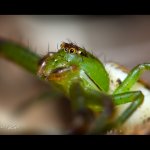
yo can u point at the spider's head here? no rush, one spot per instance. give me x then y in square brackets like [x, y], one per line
[71, 63]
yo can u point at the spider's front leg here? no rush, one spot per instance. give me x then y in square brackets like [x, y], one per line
[135, 97]
[132, 78]
[122, 94]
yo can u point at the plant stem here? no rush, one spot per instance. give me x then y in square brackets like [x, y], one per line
[19, 55]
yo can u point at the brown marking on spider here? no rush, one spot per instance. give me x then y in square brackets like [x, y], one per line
[59, 73]
[68, 46]
[72, 48]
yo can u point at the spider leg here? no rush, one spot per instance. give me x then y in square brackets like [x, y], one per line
[122, 95]
[82, 100]
[135, 97]
[132, 78]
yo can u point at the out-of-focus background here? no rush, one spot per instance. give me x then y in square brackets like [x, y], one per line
[122, 39]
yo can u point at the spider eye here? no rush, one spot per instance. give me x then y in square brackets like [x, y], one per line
[65, 49]
[81, 53]
[72, 50]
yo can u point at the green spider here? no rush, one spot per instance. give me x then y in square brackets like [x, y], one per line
[85, 81]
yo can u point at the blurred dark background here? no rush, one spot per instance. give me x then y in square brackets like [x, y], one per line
[124, 39]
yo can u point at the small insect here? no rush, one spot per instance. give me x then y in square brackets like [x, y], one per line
[102, 96]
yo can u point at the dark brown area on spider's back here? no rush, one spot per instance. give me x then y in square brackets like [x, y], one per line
[69, 45]
[72, 48]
